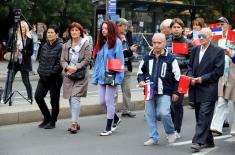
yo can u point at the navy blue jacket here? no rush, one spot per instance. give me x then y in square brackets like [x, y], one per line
[165, 77]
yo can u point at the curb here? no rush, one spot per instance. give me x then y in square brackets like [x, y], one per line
[35, 115]
[86, 110]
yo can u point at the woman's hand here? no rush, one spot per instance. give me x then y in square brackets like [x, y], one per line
[71, 70]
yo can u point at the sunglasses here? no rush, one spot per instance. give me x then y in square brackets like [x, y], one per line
[203, 36]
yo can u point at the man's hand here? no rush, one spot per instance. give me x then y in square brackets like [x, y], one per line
[142, 84]
[198, 80]
[193, 82]
[134, 48]
[228, 53]
[175, 98]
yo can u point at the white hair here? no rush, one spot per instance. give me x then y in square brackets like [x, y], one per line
[207, 31]
[160, 35]
[166, 22]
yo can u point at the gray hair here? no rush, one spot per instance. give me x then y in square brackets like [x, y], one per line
[207, 31]
[160, 35]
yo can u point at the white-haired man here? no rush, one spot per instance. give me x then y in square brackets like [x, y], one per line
[160, 68]
[206, 66]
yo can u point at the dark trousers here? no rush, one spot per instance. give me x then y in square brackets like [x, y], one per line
[10, 79]
[204, 113]
[177, 112]
[41, 91]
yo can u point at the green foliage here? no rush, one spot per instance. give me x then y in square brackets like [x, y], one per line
[60, 12]
[4, 12]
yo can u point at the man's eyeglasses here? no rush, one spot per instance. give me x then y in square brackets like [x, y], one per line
[203, 36]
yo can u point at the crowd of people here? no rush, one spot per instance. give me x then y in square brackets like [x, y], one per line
[209, 63]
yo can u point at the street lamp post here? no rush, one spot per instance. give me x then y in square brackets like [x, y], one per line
[106, 10]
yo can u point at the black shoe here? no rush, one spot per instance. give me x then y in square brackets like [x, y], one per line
[226, 125]
[209, 145]
[196, 147]
[128, 114]
[50, 125]
[43, 124]
[216, 132]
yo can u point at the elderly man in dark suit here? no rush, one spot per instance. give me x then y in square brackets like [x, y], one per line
[205, 68]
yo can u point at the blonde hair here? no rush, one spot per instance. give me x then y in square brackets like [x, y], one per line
[27, 33]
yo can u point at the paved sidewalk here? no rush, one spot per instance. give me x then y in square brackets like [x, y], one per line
[4, 64]
[3, 72]
[22, 111]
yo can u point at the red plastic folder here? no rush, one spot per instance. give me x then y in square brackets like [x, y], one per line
[115, 65]
[183, 84]
[231, 36]
[180, 48]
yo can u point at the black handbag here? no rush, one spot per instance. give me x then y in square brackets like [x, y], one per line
[109, 78]
[78, 75]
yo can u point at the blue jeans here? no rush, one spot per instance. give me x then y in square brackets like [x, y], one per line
[159, 107]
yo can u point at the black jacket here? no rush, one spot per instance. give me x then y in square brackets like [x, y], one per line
[183, 60]
[26, 52]
[210, 69]
[49, 60]
[127, 55]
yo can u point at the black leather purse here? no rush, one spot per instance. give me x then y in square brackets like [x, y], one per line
[79, 74]
[109, 78]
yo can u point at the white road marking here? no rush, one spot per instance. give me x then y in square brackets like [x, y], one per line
[190, 141]
[232, 139]
[205, 151]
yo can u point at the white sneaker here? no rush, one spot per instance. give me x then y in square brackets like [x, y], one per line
[115, 125]
[150, 142]
[171, 138]
[177, 135]
[105, 133]
[2, 102]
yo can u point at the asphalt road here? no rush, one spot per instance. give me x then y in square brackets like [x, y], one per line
[28, 139]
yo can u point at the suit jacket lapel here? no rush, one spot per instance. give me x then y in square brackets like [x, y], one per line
[205, 57]
[196, 59]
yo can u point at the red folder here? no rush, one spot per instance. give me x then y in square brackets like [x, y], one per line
[231, 36]
[115, 65]
[183, 84]
[180, 48]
